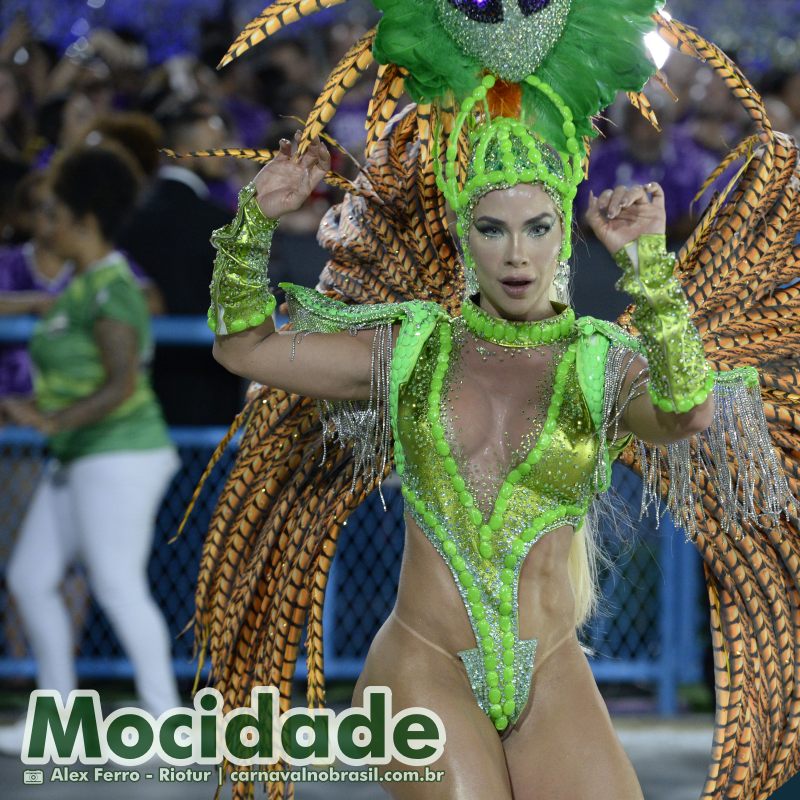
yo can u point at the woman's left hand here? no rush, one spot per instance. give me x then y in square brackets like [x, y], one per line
[622, 215]
[23, 411]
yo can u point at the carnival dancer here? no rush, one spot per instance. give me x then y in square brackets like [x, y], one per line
[461, 356]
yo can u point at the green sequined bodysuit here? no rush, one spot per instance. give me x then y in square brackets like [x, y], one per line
[483, 512]
[548, 484]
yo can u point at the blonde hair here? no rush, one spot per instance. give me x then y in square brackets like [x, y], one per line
[588, 556]
[585, 555]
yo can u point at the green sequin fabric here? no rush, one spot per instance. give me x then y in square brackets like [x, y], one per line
[240, 290]
[680, 377]
[484, 526]
[362, 424]
[451, 511]
[492, 158]
[512, 47]
[510, 166]
[587, 50]
[504, 153]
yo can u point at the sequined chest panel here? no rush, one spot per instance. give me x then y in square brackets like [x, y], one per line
[493, 454]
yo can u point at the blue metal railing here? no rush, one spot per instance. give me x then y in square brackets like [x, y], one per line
[649, 633]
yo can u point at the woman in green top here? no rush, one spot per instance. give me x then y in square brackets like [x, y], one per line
[112, 455]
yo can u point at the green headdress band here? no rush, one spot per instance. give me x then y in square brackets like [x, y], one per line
[505, 152]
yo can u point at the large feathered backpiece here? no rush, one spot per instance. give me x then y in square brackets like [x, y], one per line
[273, 535]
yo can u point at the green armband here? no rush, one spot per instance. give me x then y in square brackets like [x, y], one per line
[680, 377]
[240, 292]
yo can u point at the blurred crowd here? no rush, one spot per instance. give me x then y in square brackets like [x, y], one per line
[103, 88]
[104, 91]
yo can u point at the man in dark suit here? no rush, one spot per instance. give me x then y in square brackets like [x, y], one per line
[170, 237]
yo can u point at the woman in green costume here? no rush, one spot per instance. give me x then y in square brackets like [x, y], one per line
[506, 417]
[501, 381]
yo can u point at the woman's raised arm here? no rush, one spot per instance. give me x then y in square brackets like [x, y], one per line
[333, 366]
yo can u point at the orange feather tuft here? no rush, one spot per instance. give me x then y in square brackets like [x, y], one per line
[505, 99]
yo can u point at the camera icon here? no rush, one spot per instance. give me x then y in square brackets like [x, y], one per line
[33, 777]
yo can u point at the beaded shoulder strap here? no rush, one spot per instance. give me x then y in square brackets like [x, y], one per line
[310, 310]
[600, 382]
[737, 461]
[366, 424]
[611, 331]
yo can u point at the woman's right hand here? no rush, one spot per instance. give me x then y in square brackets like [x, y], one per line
[286, 182]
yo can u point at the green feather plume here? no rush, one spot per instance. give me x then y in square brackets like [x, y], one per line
[601, 52]
[409, 35]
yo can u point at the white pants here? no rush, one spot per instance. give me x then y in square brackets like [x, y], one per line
[102, 510]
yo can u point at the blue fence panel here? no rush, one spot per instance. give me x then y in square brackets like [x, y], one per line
[648, 630]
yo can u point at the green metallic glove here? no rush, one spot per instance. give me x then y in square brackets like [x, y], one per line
[680, 377]
[240, 291]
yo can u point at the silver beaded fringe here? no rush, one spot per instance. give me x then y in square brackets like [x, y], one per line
[363, 424]
[738, 436]
[618, 363]
[734, 454]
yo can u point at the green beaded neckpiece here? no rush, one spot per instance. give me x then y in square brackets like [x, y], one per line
[518, 334]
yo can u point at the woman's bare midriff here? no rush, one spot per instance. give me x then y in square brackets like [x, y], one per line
[429, 601]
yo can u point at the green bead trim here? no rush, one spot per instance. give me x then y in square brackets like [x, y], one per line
[238, 325]
[746, 375]
[421, 320]
[313, 311]
[520, 156]
[517, 334]
[501, 688]
[498, 654]
[496, 519]
[687, 403]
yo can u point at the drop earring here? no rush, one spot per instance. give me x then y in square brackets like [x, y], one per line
[468, 269]
[561, 282]
[470, 280]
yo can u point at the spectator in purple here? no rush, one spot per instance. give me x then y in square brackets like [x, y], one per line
[636, 153]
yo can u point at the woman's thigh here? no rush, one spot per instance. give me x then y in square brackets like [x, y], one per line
[117, 496]
[473, 761]
[564, 746]
[47, 540]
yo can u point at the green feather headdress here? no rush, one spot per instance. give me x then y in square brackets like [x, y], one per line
[598, 51]
[525, 76]
[503, 153]
[507, 79]
[439, 51]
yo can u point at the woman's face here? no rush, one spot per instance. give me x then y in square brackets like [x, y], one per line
[516, 236]
[58, 228]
